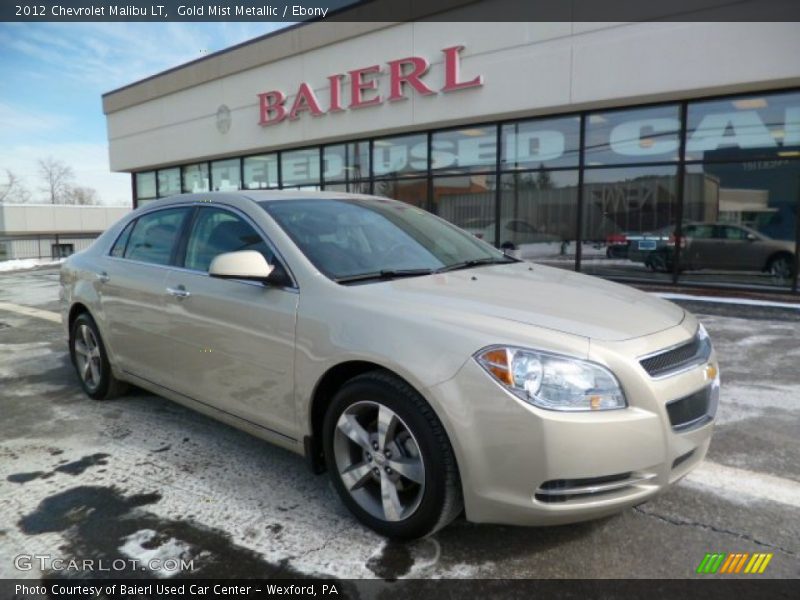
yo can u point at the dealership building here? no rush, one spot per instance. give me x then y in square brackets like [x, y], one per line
[652, 152]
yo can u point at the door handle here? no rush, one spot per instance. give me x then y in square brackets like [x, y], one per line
[179, 292]
[103, 277]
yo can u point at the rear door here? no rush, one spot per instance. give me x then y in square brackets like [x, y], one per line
[233, 340]
[702, 250]
[132, 293]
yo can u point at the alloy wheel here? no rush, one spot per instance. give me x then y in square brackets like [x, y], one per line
[87, 357]
[379, 461]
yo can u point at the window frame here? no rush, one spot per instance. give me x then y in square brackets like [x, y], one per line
[180, 259]
[129, 229]
[134, 223]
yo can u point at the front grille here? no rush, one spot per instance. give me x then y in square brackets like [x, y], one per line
[691, 411]
[696, 351]
[563, 490]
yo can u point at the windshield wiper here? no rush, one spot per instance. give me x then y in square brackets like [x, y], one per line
[477, 262]
[383, 274]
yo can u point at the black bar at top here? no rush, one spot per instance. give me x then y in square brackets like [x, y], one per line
[295, 11]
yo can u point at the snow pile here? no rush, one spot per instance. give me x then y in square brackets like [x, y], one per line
[18, 264]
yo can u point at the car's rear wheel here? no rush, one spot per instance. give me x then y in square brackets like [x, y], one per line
[91, 360]
[389, 458]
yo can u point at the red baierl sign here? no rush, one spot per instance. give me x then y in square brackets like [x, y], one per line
[405, 74]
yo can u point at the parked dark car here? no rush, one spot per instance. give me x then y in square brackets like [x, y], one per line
[726, 247]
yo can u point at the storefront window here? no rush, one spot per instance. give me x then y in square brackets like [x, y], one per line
[300, 167]
[404, 155]
[169, 182]
[633, 136]
[412, 191]
[740, 224]
[352, 187]
[739, 199]
[540, 143]
[146, 185]
[538, 216]
[195, 178]
[261, 172]
[744, 128]
[471, 149]
[467, 201]
[629, 220]
[225, 175]
[346, 162]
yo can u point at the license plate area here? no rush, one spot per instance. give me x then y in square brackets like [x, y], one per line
[647, 244]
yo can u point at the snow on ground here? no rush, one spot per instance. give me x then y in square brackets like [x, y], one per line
[20, 264]
[724, 300]
[159, 555]
[743, 486]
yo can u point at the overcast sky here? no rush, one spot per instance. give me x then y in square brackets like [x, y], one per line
[53, 74]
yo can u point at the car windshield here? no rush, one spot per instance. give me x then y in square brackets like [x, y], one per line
[357, 239]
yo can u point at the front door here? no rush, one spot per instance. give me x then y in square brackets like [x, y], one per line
[233, 340]
[702, 250]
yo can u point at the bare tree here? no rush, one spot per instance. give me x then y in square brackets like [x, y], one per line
[83, 195]
[58, 177]
[13, 190]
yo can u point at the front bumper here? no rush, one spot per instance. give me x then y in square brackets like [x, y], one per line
[523, 465]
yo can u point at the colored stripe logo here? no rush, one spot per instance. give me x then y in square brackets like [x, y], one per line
[734, 563]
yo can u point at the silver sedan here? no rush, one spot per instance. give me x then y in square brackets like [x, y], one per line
[426, 371]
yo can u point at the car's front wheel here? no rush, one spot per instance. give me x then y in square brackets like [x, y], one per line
[781, 266]
[91, 361]
[390, 459]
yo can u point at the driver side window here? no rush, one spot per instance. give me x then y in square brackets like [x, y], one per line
[216, 231]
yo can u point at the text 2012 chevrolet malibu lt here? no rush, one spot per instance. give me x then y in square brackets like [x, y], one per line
[427, 371]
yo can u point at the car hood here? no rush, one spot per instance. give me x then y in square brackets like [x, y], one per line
[545, 297]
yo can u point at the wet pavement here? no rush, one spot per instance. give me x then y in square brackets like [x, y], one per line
[142, 478]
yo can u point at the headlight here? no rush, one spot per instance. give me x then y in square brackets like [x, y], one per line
[552, 381]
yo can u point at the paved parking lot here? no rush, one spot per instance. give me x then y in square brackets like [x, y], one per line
[141, 477]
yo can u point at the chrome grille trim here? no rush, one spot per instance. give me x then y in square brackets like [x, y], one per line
[676, 359]
[562, 490]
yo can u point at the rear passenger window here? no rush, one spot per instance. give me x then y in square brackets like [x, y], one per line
[118, 249]
[154, 236]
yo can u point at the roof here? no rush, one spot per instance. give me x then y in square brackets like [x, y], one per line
[259, 196]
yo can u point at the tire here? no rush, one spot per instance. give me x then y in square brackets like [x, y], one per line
[658, 263]
[423, 491]
[89, 356]
[781, 266]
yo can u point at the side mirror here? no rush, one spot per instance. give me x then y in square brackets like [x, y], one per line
[245, 264]
[751, 237]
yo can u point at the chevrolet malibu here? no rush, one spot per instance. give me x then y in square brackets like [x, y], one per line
[426, 371]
